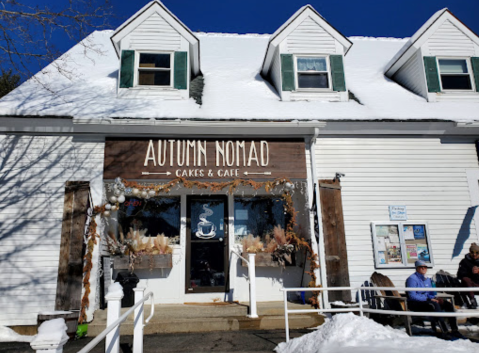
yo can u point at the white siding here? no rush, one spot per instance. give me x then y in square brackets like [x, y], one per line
[450, 40]
[427, 176]
[323, 96]
[310, 38]
[276, 71]
[33, 172]
[411, 75]
[457, 97]
[155, 34]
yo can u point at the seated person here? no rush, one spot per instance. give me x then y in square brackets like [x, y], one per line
[427, 301]
[468, 273]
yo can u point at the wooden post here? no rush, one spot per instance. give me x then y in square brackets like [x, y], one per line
[252, 285]
[70, 269]
[138, 321]
[49, 339]
[337, 271]
[112, 340]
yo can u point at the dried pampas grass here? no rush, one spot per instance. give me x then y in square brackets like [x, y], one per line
[252, 244]
[161, 244]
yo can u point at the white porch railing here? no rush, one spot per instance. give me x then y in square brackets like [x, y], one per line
[252, 282]
[363, 310]
[114, 320]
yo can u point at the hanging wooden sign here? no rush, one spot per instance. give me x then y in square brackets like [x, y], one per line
[204, 159]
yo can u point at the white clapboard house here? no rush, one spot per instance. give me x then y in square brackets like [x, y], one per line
[378, 133]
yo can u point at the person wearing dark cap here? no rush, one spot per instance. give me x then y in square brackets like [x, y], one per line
[426, 301]
[468, 273]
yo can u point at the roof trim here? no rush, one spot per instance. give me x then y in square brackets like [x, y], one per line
[422, 35]
[290, 25]
[174, 21]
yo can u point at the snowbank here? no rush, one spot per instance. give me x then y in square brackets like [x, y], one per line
[8, 335]
[51, 331]
[115, 289]
[346, 333]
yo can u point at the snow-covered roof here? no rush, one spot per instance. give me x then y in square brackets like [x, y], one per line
[234, 88]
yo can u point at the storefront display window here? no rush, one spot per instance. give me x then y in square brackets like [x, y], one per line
[158, 215]
[400, 244]
[258, 216]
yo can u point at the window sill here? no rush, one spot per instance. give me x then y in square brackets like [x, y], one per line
[150, 88]
[458, 92]
[314, 90]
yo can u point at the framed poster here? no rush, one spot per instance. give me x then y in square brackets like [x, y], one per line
[400, 244]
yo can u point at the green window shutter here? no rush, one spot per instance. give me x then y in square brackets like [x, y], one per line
[181, 70]
[287, 72]
[475, 71]
[127, 68]
[432, 76]
[337, 73]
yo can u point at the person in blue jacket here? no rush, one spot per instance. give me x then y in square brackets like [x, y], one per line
[426, 301]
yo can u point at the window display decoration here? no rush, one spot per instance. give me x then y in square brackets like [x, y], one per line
[124, 188]
[278, 246]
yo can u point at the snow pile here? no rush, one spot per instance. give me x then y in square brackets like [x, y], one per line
[115, 289]
[341, 303]
[51, 331]
[8, 335]
[55, 312]
[350, 333]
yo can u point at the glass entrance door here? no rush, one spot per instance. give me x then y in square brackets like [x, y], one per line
[207, 244]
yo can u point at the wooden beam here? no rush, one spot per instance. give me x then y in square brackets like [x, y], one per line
[70, 269]
[337, 271]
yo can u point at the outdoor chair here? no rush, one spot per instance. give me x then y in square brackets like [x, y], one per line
[393, 300]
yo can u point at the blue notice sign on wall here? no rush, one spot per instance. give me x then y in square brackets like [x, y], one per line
[397, 213]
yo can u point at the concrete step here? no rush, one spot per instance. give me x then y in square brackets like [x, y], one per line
[211, 317]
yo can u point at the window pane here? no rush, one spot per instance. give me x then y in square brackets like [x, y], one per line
[258, 216]
[313, 80]
[453, 66]
[312, 64]
[155, 60]
[154, 78]
[160, 215]
[456, 82]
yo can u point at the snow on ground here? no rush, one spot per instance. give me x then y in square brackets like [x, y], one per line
[8, 335]
[346, 333]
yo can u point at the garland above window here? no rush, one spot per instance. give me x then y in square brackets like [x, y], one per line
[123, 188]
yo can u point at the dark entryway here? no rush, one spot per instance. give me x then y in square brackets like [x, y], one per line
[207, 244]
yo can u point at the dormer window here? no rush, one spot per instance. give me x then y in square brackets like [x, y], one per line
[154, 69]
[312, 72]
[455, 74]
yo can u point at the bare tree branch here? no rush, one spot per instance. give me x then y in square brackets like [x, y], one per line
[27, 32]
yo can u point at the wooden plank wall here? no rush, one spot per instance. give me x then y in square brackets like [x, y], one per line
[334, 238]
[33, 172]
[70, 269]
[427, 176]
